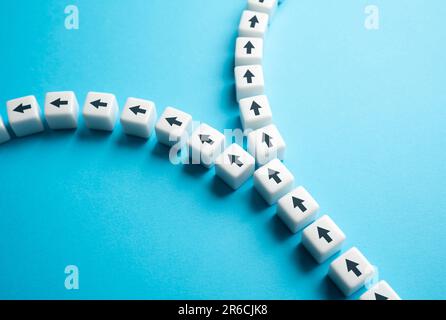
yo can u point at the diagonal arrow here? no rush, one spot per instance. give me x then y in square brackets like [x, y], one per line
[353, 266]
[273, 174]
[323, 233]
[266, 138]
[58, 102]
[98, 103]
[173, 121]
[299, 203]
[253, 21]
[380, 297]
[249, 75]
[205, 138]
[21, 108]
[235, 160]
[249, 46]
[255, 107]
[138, 109]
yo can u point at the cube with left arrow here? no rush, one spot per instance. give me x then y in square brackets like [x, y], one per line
[61, 110]
[100, 111]
[24, 116]
[138, 117]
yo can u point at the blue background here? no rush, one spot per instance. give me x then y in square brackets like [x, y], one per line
[363, 113]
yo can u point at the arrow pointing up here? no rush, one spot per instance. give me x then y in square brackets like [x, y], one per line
[235, 160]
[58, 102]
[353, 266]
[249, 75]
[380, 297]
[323, 233]
[138, 109]
[249, 46]
[255, 107]
[205, 138]
[266, 138]
[97, 104]
[273, 174]
[253, 21]
[299, 203]
[173, 121]
[21, 108]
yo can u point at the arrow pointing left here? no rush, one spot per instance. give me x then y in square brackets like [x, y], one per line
[353, 267]
[58, 102]
[273, 174]
[205, 138]
[235, 160]
[98, 103]
[138, 109]
[21, 108]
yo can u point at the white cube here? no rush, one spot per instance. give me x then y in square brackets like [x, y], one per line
[297, 209]
[249, 81]
[248, 51]
[380, 291]
[174, 126]
[61, 110]
[253, 24]
[100, 111]
[265, 6]
[323, 238]
[351, 271]
[138, 117]
[234, 166]
[24, 116]
[273, 181]
[266, 144]
[4, 134]
[205, 145]
[255, 112]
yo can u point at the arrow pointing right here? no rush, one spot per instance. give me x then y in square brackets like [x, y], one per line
[273, 174]
[249, 75]
[249, 46]
[323, 233]
[255, 107]
[380, 297]
[21, 108]
[353, 266]
[253, 21]
[173, 121]
[235, 160]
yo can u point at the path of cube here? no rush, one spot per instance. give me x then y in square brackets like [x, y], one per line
[206, 146]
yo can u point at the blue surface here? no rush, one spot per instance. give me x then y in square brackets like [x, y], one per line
[363, 113]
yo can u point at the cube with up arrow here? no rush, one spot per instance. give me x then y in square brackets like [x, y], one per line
[255, 112]
[266, 144]
[253, 24]
[249, 81]
[265, 6]
[248, 51]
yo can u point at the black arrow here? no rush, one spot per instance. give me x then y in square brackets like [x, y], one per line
[57, 103]
[266, 138]
[249, 75]
[235, 160]
[299, 203]
[249, 46]
[353, 266]
[205, 138]
[323, 233]
[253, 21]
[273, 174]
[138, 109]
[21, 108]
[380, 297]
[98, 103]
[173, 121]
[255, 107]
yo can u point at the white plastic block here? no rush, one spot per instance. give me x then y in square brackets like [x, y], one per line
[253, 24]
[248, 51]
[255, 112]
[265, 6]
[61, 110]
[249, 81]
[380, 291]
[100, 111]
[174, 126]
[266, 144]
[234, 166]
[273, 181]
[323, 238]
[138, 117]
[205, 145]
[24, 116]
